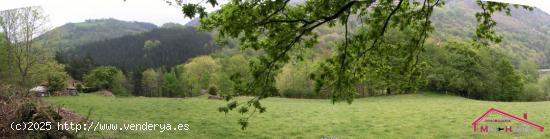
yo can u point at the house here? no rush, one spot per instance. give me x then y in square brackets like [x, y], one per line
[484, 128]
[40, 91]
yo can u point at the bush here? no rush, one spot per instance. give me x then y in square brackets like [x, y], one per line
[79, 88]
[532, 92]
[213, 90]
[57, 82]
[109, 78]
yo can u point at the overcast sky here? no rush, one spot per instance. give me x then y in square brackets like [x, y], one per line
[154, 11]
[65, 11]
[544, 5]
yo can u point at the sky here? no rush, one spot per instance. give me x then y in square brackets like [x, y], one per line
[544, 5]
[65, 11]
[153, 11]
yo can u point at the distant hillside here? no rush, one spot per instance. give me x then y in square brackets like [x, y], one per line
[75, 34]
[159, 47]
[193, 23]
[172, 25]
[526, 33]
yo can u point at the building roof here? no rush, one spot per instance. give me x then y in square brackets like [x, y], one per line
[493, 110]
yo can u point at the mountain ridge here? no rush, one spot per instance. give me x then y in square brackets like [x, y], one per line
[71, 35]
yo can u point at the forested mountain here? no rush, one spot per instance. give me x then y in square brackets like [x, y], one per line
[525, 32]
[75, 34]
[193, 23]
[159, 47]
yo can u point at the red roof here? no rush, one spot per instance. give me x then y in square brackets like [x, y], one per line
[493, 110]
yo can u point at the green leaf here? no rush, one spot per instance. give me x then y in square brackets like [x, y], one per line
[243, 110]
[232, 105]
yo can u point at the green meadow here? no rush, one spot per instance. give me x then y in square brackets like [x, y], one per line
[422, 115]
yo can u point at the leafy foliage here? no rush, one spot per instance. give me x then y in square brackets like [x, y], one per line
[294, 81]
[151, 83]
[109, 78]
[20, 27]
[200, 72]
[57, 79]
[120, 85]
[213, 90]
[473, 72]
[173, 86]
[278, 28]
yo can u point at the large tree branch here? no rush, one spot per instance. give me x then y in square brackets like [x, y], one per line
[384, 27]
[343, 59]
[274, 13]
[309, 27]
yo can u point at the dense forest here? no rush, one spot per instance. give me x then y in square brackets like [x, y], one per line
[162, 47]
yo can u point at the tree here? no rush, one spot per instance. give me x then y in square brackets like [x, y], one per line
[231, 66]
[544, 84]
[150, 82]
[76, 67]
[56, 76]
[200, 71]
[294, 80]
[151, 44]
[278, 27]
[530, 69]
[20, 27]
[172, 85]
[474, 72]
[510, 82]
[120, 85]
[109, 78]
[3, 59]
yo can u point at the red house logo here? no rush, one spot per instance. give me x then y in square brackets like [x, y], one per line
[503, 122]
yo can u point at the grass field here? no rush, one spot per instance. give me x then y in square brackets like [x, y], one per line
[405, 116]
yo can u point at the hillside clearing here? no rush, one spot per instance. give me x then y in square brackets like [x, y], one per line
[404, 116]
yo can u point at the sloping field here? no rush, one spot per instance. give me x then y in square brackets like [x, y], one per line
[423, 115]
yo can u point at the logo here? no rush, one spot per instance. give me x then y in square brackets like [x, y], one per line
[495, 120]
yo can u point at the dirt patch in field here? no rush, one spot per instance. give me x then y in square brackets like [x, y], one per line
[69, 116]
[105, 93]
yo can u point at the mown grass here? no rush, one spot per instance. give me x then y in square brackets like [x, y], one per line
[422, 115]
